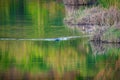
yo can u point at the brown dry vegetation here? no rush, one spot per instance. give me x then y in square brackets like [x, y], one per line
[15, 74]
[98, 20]
[109, 73]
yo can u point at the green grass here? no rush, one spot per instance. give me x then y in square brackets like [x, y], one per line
[109, 3]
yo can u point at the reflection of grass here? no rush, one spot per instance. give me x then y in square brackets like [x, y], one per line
[46, 16]
[44, 56]
[31, 32]
[61, 56]
[36, 64]
[6, 61]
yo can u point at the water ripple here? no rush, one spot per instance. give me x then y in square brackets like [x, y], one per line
[45, 39]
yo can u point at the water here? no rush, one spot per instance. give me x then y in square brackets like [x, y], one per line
[35, 45]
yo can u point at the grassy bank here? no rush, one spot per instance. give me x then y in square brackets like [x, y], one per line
[109, 3]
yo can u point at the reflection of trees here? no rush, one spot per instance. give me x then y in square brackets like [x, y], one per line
[101, 48]
[61, 57]
[6, 60]
[24, 10]
[21, 7]
[18, 9]
[4, 11]
[110, 72]
[11, 10]
[98, 48]
[110, 60]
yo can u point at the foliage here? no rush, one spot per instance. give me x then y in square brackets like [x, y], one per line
[109, 3]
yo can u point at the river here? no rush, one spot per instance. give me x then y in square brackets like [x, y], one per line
[36, 45]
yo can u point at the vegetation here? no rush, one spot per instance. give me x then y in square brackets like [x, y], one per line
[65, 60]
[39, 58]
[109, 3]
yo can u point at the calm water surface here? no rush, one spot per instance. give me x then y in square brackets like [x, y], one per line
[73, 59]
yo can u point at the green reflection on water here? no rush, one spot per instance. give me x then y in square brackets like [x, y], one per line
[33, 19]
[75, 58]
[42, 56]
